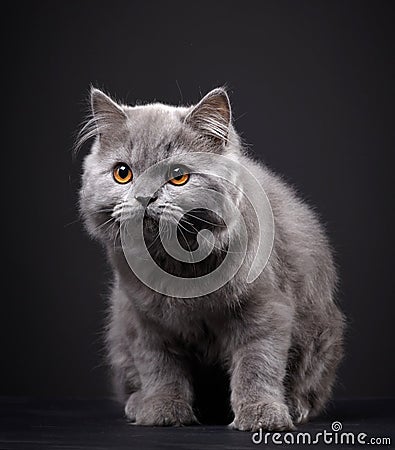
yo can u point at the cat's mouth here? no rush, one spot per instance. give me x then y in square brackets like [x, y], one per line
[159, 221]
[185, 227]
[191, 222]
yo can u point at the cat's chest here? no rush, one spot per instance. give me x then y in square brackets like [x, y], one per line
[200, 339]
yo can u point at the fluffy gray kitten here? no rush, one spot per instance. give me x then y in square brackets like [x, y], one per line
[279, 338]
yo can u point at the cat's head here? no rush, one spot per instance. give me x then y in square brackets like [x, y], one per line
[131, 140]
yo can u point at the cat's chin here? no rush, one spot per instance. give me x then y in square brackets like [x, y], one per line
[151, 225]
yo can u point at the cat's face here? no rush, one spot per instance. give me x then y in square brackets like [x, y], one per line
[153, 157]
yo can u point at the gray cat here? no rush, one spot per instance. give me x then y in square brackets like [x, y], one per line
[279, 337]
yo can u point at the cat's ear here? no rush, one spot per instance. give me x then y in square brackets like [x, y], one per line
[108, 121]
[105, 109]
[212, 116]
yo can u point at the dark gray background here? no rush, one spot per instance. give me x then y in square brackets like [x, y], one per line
[312, 86]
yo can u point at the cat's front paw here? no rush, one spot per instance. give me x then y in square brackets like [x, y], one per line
[133, 405]
[164, 411]
[270, 416]
[299, 411]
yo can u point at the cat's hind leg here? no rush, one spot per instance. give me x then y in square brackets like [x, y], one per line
[311, 372]
[127, 385]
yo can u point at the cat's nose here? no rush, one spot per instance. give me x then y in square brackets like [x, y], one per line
[145, 201]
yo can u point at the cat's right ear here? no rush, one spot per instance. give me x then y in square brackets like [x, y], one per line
[107, 120]
[105, 111]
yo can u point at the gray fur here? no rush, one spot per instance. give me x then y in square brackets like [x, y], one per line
[280, 338]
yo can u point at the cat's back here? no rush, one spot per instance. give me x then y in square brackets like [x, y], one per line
[290, 211]
[301, 254]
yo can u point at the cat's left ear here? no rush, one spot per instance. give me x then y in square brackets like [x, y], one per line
[212, 116]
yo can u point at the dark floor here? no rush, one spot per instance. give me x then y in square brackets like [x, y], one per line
[99, 424]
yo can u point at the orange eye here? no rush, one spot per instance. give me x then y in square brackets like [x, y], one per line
[122, 173]
[178, 175]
